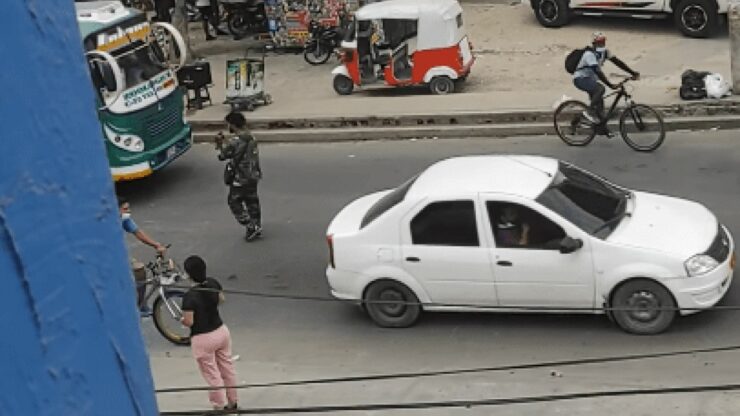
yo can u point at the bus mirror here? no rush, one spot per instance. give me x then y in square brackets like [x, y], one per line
[167, 45]
[106, 76]
[109, 78]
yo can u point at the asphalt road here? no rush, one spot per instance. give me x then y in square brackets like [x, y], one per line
[306, 184]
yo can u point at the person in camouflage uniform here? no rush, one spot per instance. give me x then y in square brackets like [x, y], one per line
[242, 174]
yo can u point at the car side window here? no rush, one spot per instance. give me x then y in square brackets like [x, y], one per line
[446, 223]
[517, 226]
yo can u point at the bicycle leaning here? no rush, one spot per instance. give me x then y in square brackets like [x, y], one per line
[162, 275]
[641, 126]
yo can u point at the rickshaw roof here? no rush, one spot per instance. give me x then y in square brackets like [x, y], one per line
[409, 9]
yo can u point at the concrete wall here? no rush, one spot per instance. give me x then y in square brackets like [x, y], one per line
[70, 342]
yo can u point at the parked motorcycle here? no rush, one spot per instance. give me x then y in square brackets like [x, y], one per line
[321, 45]
[245, 16]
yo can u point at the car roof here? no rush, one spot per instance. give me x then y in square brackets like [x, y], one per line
[526, 176]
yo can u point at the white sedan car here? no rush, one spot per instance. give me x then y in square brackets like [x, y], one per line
[526, 233]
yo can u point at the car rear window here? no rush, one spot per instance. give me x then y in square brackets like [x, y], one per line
[387, 202]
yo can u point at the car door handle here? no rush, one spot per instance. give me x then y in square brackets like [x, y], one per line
[413, 259]
[504, 263]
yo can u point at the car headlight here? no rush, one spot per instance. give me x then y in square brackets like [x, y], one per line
[128, 142]
[700, 264]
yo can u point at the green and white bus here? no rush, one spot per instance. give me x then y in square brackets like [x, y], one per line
[133, 66]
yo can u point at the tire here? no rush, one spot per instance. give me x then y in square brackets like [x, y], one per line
[392, 315]
[552, 13]
[238, 25]
[572, 126]
[316, 53]
[170, 329]
[642, 127]
[267, 98]
[696, 18]
[343, 85]
[643, 293]
[442, 85]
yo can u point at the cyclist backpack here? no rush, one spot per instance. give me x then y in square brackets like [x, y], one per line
[573, 58]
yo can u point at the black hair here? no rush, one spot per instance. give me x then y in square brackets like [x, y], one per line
[196, 268]
[236, 119]
[121, 200]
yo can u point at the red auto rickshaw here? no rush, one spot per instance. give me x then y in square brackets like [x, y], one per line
[405, 43]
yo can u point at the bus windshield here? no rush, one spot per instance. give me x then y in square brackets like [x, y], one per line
[139, 66]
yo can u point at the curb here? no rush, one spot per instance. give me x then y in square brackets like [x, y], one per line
[691, 116]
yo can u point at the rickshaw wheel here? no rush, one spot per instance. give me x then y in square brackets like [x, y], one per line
[343, 85]
[442, 85]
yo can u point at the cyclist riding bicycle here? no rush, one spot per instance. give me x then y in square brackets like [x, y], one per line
[588, 74]
[138, 268]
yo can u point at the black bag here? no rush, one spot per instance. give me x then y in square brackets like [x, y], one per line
[573, 58]
[692, 85]
[229, 173]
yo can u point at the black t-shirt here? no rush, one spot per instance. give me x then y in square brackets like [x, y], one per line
[204, 305]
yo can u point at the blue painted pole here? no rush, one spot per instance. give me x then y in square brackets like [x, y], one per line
[70, 342]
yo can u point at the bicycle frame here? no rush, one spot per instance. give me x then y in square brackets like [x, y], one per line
[620, 94]
[157, 287]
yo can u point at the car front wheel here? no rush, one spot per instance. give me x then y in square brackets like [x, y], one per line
[643, 307]
[552, 13]
[391, 304]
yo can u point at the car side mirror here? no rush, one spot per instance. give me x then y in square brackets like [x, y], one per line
[570, 244]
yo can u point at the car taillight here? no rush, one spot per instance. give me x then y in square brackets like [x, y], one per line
[330, 241]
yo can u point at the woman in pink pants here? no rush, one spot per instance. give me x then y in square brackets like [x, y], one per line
[209, 337]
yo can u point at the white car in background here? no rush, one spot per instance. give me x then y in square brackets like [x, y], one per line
[433, 244]
[694, 18]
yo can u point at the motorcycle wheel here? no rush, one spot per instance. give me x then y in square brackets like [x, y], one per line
[316, 53]
[238, 25]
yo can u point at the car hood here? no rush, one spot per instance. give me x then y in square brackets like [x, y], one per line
[348, 220]
[670, 225]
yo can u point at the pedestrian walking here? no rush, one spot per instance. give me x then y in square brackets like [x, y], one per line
[210, 339]
[162, 7]
[209, 12]
[242, 174]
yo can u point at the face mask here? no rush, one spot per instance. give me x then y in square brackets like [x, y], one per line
[125, 215]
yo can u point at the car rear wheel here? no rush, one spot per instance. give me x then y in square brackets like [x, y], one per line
[643, 307]
[391, 304]
[552, 13]
[697, 18]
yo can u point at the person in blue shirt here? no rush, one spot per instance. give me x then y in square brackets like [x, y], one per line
[588, 74]
[137, 267]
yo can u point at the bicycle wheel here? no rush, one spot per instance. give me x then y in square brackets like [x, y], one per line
[572, 125]
[642, 127]
[167, 324]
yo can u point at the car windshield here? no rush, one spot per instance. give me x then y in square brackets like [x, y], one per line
[585, 200]
[138, 66]
[387, 202]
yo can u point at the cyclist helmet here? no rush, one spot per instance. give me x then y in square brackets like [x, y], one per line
[598, 38]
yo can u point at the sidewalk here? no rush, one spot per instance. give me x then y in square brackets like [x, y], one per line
[277, 356]
[519, 67]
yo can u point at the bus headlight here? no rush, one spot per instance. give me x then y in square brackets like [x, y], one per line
[128, 142]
